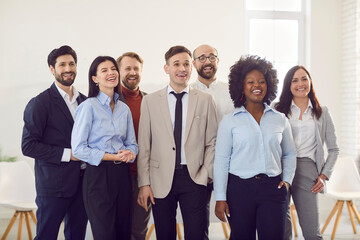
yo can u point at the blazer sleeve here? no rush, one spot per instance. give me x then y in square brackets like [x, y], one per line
[331, 143]
[35, 122]
[210, 137]
[144, 142]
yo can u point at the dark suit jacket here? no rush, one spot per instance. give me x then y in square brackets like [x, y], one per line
[47, 131]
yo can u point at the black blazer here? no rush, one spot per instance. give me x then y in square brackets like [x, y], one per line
[47, 131]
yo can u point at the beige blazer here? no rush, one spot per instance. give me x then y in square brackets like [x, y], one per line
[156, 158]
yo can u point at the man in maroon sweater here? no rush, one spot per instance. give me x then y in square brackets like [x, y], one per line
[130, 66]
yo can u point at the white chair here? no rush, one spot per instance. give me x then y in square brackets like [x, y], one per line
[17, 191]
[293, 217]
[344, 186]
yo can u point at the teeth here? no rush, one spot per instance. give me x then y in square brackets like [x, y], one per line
[301, 89]
[256, 91]
[208, 68]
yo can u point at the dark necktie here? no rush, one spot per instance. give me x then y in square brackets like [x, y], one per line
[178, 128]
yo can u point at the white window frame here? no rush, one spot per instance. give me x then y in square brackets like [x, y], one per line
[275, 15]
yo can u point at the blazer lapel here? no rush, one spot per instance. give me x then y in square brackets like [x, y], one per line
[193, 98]
[60, 102]
[164, 107]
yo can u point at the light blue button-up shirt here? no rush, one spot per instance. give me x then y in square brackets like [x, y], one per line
[97, 130]
[244, 148]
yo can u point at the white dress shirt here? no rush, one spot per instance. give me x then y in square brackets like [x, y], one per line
[172, 104]
[72, 105]
[303, 131]
[220, 92]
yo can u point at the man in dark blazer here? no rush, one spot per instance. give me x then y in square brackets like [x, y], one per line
[48, 122]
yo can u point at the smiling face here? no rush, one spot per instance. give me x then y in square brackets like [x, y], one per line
[107, 76]
[255, 87]
[300, 84]
[207, 69]
[64, 70]
[179, 69]
[130, 72]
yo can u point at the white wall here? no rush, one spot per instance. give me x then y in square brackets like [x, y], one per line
[325, 55]
[29, 30]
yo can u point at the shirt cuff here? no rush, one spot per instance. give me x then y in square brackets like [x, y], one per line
[66, 155]
[220, 196]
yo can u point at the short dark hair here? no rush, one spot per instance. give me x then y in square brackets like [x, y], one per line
[57, 52]
[284, 105]
[93, 89]
[241, 68]
[175, 50]
[132, 55]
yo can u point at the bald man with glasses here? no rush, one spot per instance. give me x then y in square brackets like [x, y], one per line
[206, 63]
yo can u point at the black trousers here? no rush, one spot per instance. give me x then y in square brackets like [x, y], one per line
[192, 200]
[209, 189]
[256, 204]
[107, 199]
[51, 212]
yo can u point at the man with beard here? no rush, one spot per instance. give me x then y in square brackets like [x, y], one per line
[206, 62]
[130, 66]
[48, 122]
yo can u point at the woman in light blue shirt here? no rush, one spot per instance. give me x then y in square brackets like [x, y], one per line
[103, 136]
[254, 156]
[311, 126]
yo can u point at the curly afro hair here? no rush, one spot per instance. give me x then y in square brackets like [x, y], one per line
[239, 71]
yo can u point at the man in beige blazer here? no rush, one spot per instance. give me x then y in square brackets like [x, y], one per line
[168, 175]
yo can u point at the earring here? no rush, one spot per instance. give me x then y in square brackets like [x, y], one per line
[97, 84]
[242, 97]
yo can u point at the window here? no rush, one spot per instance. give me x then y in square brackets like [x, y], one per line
[276, 31]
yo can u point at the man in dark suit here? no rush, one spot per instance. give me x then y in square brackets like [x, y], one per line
[48, 122]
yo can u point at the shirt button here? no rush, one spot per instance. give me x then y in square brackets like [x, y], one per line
[173, 148]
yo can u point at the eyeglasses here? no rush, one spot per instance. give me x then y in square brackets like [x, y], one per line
[202, 58]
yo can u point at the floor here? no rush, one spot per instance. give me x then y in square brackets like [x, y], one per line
[344, 231]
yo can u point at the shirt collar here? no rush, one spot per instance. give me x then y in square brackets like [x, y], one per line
[170, 89]
[309, 106]
[105, 99]
[64, 94]
[243, 109]
[202, 86]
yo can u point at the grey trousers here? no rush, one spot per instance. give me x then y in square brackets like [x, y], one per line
[306, 202]
[139, 217]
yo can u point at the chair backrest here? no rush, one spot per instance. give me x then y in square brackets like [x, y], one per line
[345, 177]
[17, 182]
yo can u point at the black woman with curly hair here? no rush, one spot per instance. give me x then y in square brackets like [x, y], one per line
[255, 157]
[311, 126]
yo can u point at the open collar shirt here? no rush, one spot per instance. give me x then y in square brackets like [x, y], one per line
[303, 131]
[98, 130]
[220, 92]
[245, 148]
[72, 105]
